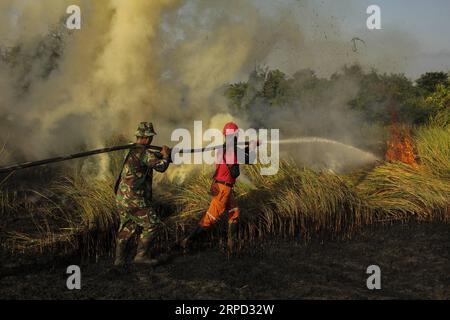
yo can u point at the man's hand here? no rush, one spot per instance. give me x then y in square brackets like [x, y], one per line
[165, 152]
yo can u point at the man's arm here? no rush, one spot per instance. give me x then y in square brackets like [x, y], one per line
[157, 163]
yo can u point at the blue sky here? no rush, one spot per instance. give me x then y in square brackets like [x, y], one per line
[426, 23]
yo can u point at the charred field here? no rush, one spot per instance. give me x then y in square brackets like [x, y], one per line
[414, 258]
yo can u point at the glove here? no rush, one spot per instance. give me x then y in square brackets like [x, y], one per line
[165, 152]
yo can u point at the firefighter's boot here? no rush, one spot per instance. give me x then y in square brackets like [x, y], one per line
[198, 231]
[142, 256]
[232, 237]
[121, 254]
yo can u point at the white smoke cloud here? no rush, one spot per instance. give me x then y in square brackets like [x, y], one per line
[165, 61]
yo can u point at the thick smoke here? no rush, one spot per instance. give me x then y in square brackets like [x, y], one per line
[164, 61]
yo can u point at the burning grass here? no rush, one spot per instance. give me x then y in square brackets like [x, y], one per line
[400, 145]
[295, 203]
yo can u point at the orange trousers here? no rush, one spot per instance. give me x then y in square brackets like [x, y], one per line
[223, 202]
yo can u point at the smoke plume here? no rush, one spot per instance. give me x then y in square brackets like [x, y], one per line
[165, 61]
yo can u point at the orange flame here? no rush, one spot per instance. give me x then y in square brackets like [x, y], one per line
[400, 145]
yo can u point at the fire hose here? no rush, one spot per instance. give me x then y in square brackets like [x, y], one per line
[153, 148]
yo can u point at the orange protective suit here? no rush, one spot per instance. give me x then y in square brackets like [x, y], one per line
[223, 202]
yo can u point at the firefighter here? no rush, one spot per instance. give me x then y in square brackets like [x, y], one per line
[223, 199]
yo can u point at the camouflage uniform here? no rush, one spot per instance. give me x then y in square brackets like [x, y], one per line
[134, 190]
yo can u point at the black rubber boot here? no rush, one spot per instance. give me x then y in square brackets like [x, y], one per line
[232, 237]
[142, 256]
[193, 236]
[121, 254]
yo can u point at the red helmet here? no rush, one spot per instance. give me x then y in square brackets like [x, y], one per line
[230, 128]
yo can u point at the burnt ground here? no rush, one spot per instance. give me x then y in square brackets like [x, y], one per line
[414, 261]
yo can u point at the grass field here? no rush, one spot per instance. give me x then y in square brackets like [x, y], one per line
[77, 212]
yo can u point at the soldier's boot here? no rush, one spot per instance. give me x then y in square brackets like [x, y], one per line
[142, 256]
[232, 237]
[198, 231]
[121, 254]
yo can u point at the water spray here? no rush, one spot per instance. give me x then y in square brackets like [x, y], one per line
[327, 141]
[157, 150]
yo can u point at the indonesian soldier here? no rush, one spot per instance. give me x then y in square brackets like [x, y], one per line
[138, 221]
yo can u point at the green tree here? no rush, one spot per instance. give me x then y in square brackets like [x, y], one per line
[431, 80]
[382, 96]
[440, 99]
[275, 87]
[235, 93]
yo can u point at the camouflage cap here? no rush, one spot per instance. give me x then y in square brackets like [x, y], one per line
[145, 129]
